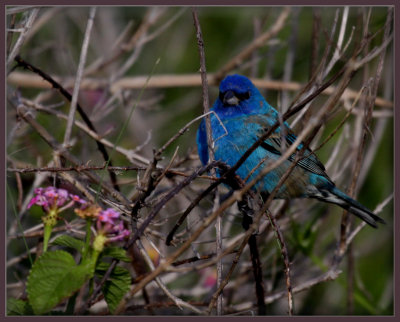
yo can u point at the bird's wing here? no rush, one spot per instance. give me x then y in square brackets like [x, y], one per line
[309, 161]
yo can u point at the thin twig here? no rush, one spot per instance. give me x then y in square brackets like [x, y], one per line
[20, 191]
[316, 12]
[290, 56]
[21, 38]
[162, 203]
[356, 230]
[68, 96]
[10, 34]
[52, 142]
[369, 106]
[337, 52]
[193, 204]
[247, 220]
[210, 143]
[131, 155]
[79, 73]
[286, 260]
[179, 302]
[255, 44]
[223, 283]
[182, 131]
[148, 21]
[342, 122]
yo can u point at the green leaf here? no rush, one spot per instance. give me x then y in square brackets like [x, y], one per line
[54, 277]
[116, 286]
[117, 253]
[68, 241]
[18, 307]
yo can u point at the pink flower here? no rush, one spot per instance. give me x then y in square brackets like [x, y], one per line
[108, 216]
[38, 200]
[110, 225]
[78, 199]
[119, 232]
[120, 235]
[52, 198]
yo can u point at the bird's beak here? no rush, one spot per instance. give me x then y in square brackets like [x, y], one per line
[230, 98]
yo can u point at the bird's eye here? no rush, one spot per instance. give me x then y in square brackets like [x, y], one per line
[240, 96]
[243, 96]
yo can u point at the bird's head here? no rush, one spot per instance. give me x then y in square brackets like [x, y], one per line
[237, 93]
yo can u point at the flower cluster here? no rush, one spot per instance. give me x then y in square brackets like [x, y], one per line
[109, 223]
[53, 201]
[110, 228]
[51, 198]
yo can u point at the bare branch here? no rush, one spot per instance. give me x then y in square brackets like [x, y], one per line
[167, 81]
[79, 73]
[17, 47]
[256, 43]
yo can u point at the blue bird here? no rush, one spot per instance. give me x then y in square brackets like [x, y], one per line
[246, 116]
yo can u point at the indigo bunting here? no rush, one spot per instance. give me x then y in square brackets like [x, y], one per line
[246, 115]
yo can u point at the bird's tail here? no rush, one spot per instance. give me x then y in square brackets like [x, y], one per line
[335, 196]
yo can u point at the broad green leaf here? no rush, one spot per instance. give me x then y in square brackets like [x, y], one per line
[18, 307]
[68, 241]
[54, 277]
[117, 253]
[116, 286]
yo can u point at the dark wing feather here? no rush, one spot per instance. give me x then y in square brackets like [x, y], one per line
[309, 161]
